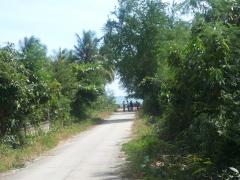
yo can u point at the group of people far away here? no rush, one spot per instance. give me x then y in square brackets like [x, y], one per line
[129, 106]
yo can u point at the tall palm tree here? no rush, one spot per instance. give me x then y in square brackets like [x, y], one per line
[86, 49]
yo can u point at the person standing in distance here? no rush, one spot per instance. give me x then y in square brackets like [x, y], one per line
[124, 106]
[128, 108]
[131, 106]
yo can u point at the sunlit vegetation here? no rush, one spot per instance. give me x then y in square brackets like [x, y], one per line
[188, 74]
[64, 90]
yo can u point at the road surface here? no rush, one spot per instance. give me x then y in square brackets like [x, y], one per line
[94, 154]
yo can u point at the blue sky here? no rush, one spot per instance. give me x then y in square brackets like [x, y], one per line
[55, 22]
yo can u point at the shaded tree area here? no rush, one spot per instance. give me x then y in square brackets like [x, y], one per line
[187, 73]
[35, 87]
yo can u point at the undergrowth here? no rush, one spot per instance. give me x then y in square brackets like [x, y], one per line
[150, 157]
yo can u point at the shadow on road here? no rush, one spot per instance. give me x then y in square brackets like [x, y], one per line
[113, 173]
[121, 112]
[114, 121]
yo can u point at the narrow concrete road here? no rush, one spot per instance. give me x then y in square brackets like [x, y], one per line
[94, 154]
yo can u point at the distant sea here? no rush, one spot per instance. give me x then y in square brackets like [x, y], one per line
[120, 99]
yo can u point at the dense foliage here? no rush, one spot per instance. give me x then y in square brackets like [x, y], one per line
[36, 88]
[187, 73]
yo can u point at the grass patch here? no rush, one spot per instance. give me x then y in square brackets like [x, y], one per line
[150, 157]
[142, 151]
[36, 145]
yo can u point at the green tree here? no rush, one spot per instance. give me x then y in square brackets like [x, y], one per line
[91, 79]
[34, 56]
[63, 72]
[135, 44]
[19, 94]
